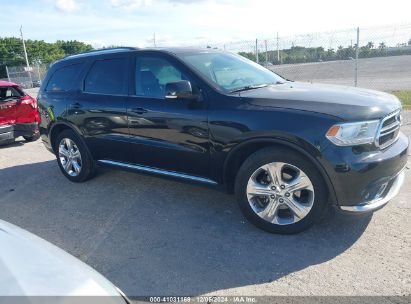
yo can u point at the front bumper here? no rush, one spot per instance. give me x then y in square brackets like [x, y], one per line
[379, 202]
[364, 181]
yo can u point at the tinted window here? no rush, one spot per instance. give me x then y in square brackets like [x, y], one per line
[63, 78]
[107, 77]
[152, 75]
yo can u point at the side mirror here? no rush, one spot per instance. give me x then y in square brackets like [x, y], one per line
[179, 89]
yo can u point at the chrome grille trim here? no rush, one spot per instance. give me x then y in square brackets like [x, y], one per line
[389, 125]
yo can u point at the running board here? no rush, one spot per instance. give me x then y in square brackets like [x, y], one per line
[158, 171]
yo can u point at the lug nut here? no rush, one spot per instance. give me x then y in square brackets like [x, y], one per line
[281, 200]
[272, 196]
[273, 188]
[287, 194]
[282, 187]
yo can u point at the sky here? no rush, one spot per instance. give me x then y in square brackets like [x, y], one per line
[190, 22]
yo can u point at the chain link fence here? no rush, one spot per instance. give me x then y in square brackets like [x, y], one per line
[376, 57]
[27, 77]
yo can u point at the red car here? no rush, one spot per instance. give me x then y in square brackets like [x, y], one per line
[19, 115]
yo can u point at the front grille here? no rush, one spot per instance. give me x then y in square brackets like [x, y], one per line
[389, 130]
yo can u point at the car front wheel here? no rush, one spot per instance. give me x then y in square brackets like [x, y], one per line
[280, 191]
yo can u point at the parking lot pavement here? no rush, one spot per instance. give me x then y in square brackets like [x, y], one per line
[152, 236]
[379, 73]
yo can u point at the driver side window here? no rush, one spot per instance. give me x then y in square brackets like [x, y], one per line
[152, 75]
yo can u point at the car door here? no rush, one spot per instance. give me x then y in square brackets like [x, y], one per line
[169, 134]
[99, 107]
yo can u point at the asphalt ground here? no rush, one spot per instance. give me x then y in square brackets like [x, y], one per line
[379, 73]
[153, 236]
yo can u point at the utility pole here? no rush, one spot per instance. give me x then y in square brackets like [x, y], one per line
[266, 54]
[8, 75]
[154, 40]
[24, 48]
[26, 57]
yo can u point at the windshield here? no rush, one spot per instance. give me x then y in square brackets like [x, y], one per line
[231, 72]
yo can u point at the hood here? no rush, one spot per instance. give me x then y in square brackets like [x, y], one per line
[31, 266]
[347, 103]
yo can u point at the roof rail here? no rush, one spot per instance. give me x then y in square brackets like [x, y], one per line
[121, 48]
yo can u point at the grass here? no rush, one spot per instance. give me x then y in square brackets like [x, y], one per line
[405, 97]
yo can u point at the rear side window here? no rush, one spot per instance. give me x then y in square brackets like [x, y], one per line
[108, 77]
[63, 78]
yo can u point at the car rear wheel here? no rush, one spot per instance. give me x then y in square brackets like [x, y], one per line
[280, 191]
[73, 157]
[31, 138]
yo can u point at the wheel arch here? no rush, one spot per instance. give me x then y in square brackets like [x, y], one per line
[59, 127]
[243, 150]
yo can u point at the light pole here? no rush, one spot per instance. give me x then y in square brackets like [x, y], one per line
[24, 48]
[28, 69]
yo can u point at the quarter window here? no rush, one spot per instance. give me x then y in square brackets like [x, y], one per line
[152, 75]
[62, 79]
[107, 77]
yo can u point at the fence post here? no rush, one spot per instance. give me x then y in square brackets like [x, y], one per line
[7, 72]
[278, 49]
[256, 50]
[266, 54]
[38, 73]
[356, 57]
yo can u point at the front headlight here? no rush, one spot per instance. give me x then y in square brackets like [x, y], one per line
[353, 134]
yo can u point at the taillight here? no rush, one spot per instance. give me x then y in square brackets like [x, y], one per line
[29, 101]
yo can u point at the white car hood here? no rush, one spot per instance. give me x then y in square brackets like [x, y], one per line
[31, 266]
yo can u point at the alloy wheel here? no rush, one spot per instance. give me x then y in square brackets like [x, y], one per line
[280, 193]
[70, 157]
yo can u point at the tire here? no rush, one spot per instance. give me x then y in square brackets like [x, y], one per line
[31, 138]
[266, 204]
[69, 147]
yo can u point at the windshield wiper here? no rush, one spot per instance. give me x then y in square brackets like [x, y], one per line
[249, 87]
[253, 87]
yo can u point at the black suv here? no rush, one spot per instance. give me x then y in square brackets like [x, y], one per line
[287, 150]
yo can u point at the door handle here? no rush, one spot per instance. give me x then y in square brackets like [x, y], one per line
[139, 110]
[76, 105]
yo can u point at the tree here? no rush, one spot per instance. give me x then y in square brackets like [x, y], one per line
[73, 47]
[409, 42]
[11, 50]
[248, 55]
[38, 51]
[370, 45]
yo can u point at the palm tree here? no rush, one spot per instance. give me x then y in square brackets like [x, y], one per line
[382, 47]
[370, 45]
